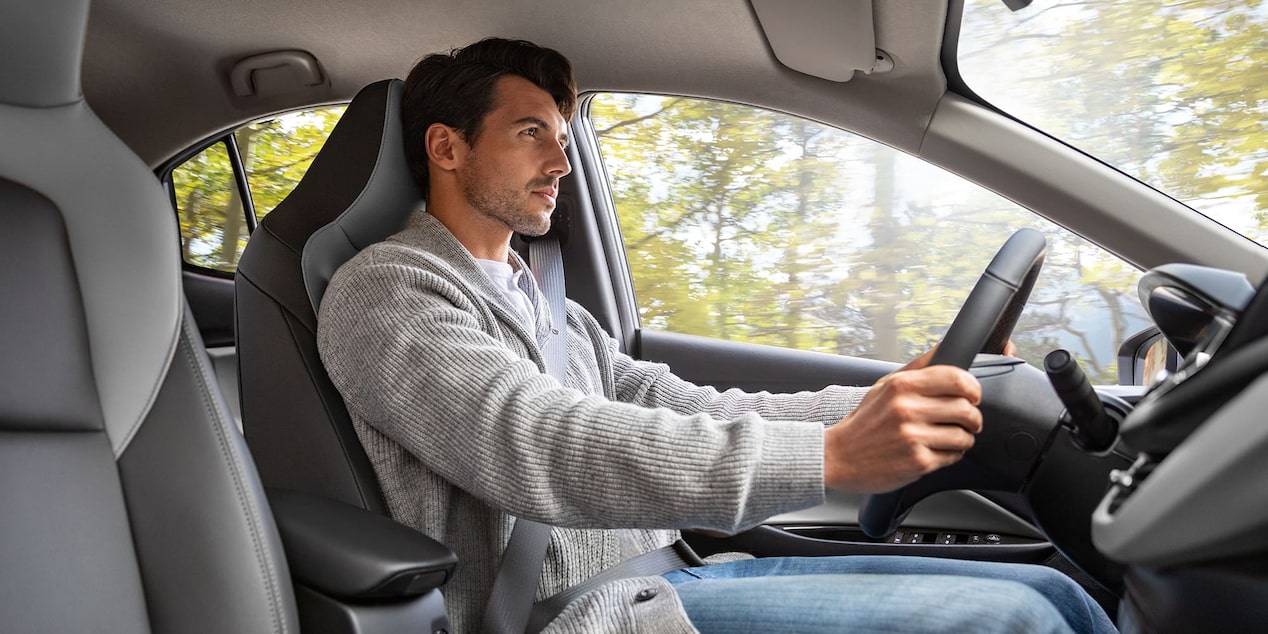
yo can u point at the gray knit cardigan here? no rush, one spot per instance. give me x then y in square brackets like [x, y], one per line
[465, 430]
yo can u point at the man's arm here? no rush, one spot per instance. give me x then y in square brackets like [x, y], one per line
[655, 385]
[412, 357]
[911, 422]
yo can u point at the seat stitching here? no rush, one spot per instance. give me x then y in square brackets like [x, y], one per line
[132, 429]
[279, 624]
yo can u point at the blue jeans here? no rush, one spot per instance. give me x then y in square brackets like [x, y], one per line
[884, 593]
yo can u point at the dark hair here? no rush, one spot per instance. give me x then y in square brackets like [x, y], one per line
[456, 89]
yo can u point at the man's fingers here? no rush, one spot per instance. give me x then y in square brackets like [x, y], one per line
[920, 361]
[946, 458]
[936, 381]
[949, 436]
[932, 410]
[911, 423]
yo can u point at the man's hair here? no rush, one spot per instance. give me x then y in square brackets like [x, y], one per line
[456, 89]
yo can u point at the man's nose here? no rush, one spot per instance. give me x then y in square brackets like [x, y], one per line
[558, 164]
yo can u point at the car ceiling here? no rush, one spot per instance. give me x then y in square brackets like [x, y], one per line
[157, 72]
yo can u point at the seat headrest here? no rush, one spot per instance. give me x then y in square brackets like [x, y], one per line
[43, 45]
[358, 190]
[119, 224]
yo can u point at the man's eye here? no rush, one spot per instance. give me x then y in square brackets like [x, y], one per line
[530, 132]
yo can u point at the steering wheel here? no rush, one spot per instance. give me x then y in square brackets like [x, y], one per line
[985, 323]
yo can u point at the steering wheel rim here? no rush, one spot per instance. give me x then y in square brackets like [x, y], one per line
[984, 324]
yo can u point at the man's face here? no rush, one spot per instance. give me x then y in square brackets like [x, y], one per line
[511, 174]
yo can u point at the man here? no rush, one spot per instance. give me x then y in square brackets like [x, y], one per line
[434, 339]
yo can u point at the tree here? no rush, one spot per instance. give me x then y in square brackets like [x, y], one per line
[755, 226]
[275, 155]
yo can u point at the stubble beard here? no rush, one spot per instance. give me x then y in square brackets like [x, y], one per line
[503, 204]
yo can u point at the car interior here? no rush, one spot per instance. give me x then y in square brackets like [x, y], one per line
[179, 460]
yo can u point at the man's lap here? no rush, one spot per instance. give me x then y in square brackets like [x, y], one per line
[884, 593]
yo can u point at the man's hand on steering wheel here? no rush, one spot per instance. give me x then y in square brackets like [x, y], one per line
[905, 439]
[913, 422]
[983, 324]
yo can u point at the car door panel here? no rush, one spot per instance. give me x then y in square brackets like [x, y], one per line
[748, 366]
[211, 301]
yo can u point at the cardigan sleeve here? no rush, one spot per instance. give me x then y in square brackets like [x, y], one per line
[654, 385]
[409, 353]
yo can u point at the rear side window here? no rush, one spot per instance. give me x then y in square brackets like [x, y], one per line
[222, 191]
[212, 214]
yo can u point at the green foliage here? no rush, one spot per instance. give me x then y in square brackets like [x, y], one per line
[1174, 93]
[275, 155]
[755, 226]
[277, 152]
[207, 200]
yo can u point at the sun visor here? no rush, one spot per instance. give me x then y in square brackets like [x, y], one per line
[831, 39]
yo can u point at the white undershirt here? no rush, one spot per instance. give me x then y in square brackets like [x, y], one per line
[507, 280]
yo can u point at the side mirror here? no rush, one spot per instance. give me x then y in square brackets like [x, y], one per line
[1145, 357]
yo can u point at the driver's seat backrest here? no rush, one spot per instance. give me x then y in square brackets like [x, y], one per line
[358, 191]
[128, 501]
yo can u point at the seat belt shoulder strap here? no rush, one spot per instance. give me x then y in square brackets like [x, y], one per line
[511, 598]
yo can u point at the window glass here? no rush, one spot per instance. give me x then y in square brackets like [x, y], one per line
[750, 225]
[1172, 92]
[275, 153]
[212, 218]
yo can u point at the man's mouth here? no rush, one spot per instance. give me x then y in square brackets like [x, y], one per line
[549, 194]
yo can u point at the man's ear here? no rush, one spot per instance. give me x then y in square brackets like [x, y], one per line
[445, 147]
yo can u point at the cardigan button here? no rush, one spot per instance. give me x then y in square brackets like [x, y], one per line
[646, 594]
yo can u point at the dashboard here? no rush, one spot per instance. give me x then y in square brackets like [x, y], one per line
[1189, 518]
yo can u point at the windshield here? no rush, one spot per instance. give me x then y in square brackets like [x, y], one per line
[1172, 92]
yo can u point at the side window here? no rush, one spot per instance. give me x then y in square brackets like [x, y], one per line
[750, 225]
[212, 217]
[271, 156]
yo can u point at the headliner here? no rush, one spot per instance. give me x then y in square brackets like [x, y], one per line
[156, 72]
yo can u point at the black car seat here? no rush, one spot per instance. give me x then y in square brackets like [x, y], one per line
[358, 191]
[130, 503]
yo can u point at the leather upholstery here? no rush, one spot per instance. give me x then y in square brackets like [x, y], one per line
[386, 197]
[45, 381]
[352, 554]
[129, 503]
[68, 558]
[125, 252]
[43, 43]
[356, 192]
[204, 534]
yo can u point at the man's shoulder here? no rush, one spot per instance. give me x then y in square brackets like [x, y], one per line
[382, 270]
[389, 281]
[391, 253]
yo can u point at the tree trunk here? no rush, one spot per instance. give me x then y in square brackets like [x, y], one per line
[193, 207]
[882, 311]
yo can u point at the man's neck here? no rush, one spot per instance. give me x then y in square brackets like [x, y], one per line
[484, 237]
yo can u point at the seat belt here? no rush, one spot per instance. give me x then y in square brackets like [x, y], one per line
[546, 259]
[511, 609]
[511, 598]
[657, 562]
